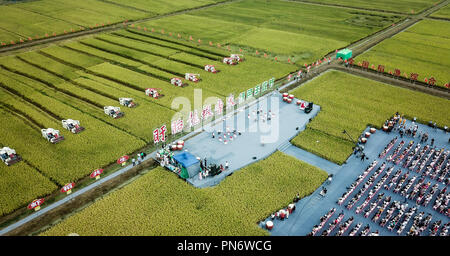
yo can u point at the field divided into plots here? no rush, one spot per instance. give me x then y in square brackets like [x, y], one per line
[77, 79]
[36, 18]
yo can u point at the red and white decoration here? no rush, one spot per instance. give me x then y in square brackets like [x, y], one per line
[68, 188]
[36, 204]
[96, 174]
[159, 134]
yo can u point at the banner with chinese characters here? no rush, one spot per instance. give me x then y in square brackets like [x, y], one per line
[256, 91]
[159, 134]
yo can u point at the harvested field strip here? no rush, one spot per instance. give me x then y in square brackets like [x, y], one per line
[23, 116]
[148, 40]
[35, 59]
[85, 49]
[183, 56]
[149, 52]
[136, 45]
[18, 94]
[69, 80]
[74, 81]
[165, 39]
[77, 58]
[51, 86]
[163, 78]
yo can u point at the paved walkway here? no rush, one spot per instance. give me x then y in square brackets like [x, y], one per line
[310, 209]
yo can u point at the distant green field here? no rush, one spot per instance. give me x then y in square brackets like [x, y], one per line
[162, 6]
[442, 13]
[36, 18]
[351, 103]
[303, 31]
[424, 49]
[404, 6]
[159, 203]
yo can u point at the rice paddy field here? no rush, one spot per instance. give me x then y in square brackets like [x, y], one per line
[353, 103]
[159, 203]
[302, 32]
[423, 49]
[77, 78]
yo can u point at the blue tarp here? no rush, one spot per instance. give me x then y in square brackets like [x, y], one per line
[186, 159]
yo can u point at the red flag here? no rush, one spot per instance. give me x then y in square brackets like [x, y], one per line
[210, 43]
[12, 42]
[240, 49]
[276, 58]
[265, 55]
[21, 40]
[46, 35]
[426, 80]
[29, 38]
[199, 41]
[170, 33]
[103, 24]
[257, 52]
[289, 60]
[305, 65]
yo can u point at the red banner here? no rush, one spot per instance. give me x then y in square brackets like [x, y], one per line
[67, 187]
[36, 203]
[96, 173]
[123, 159]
